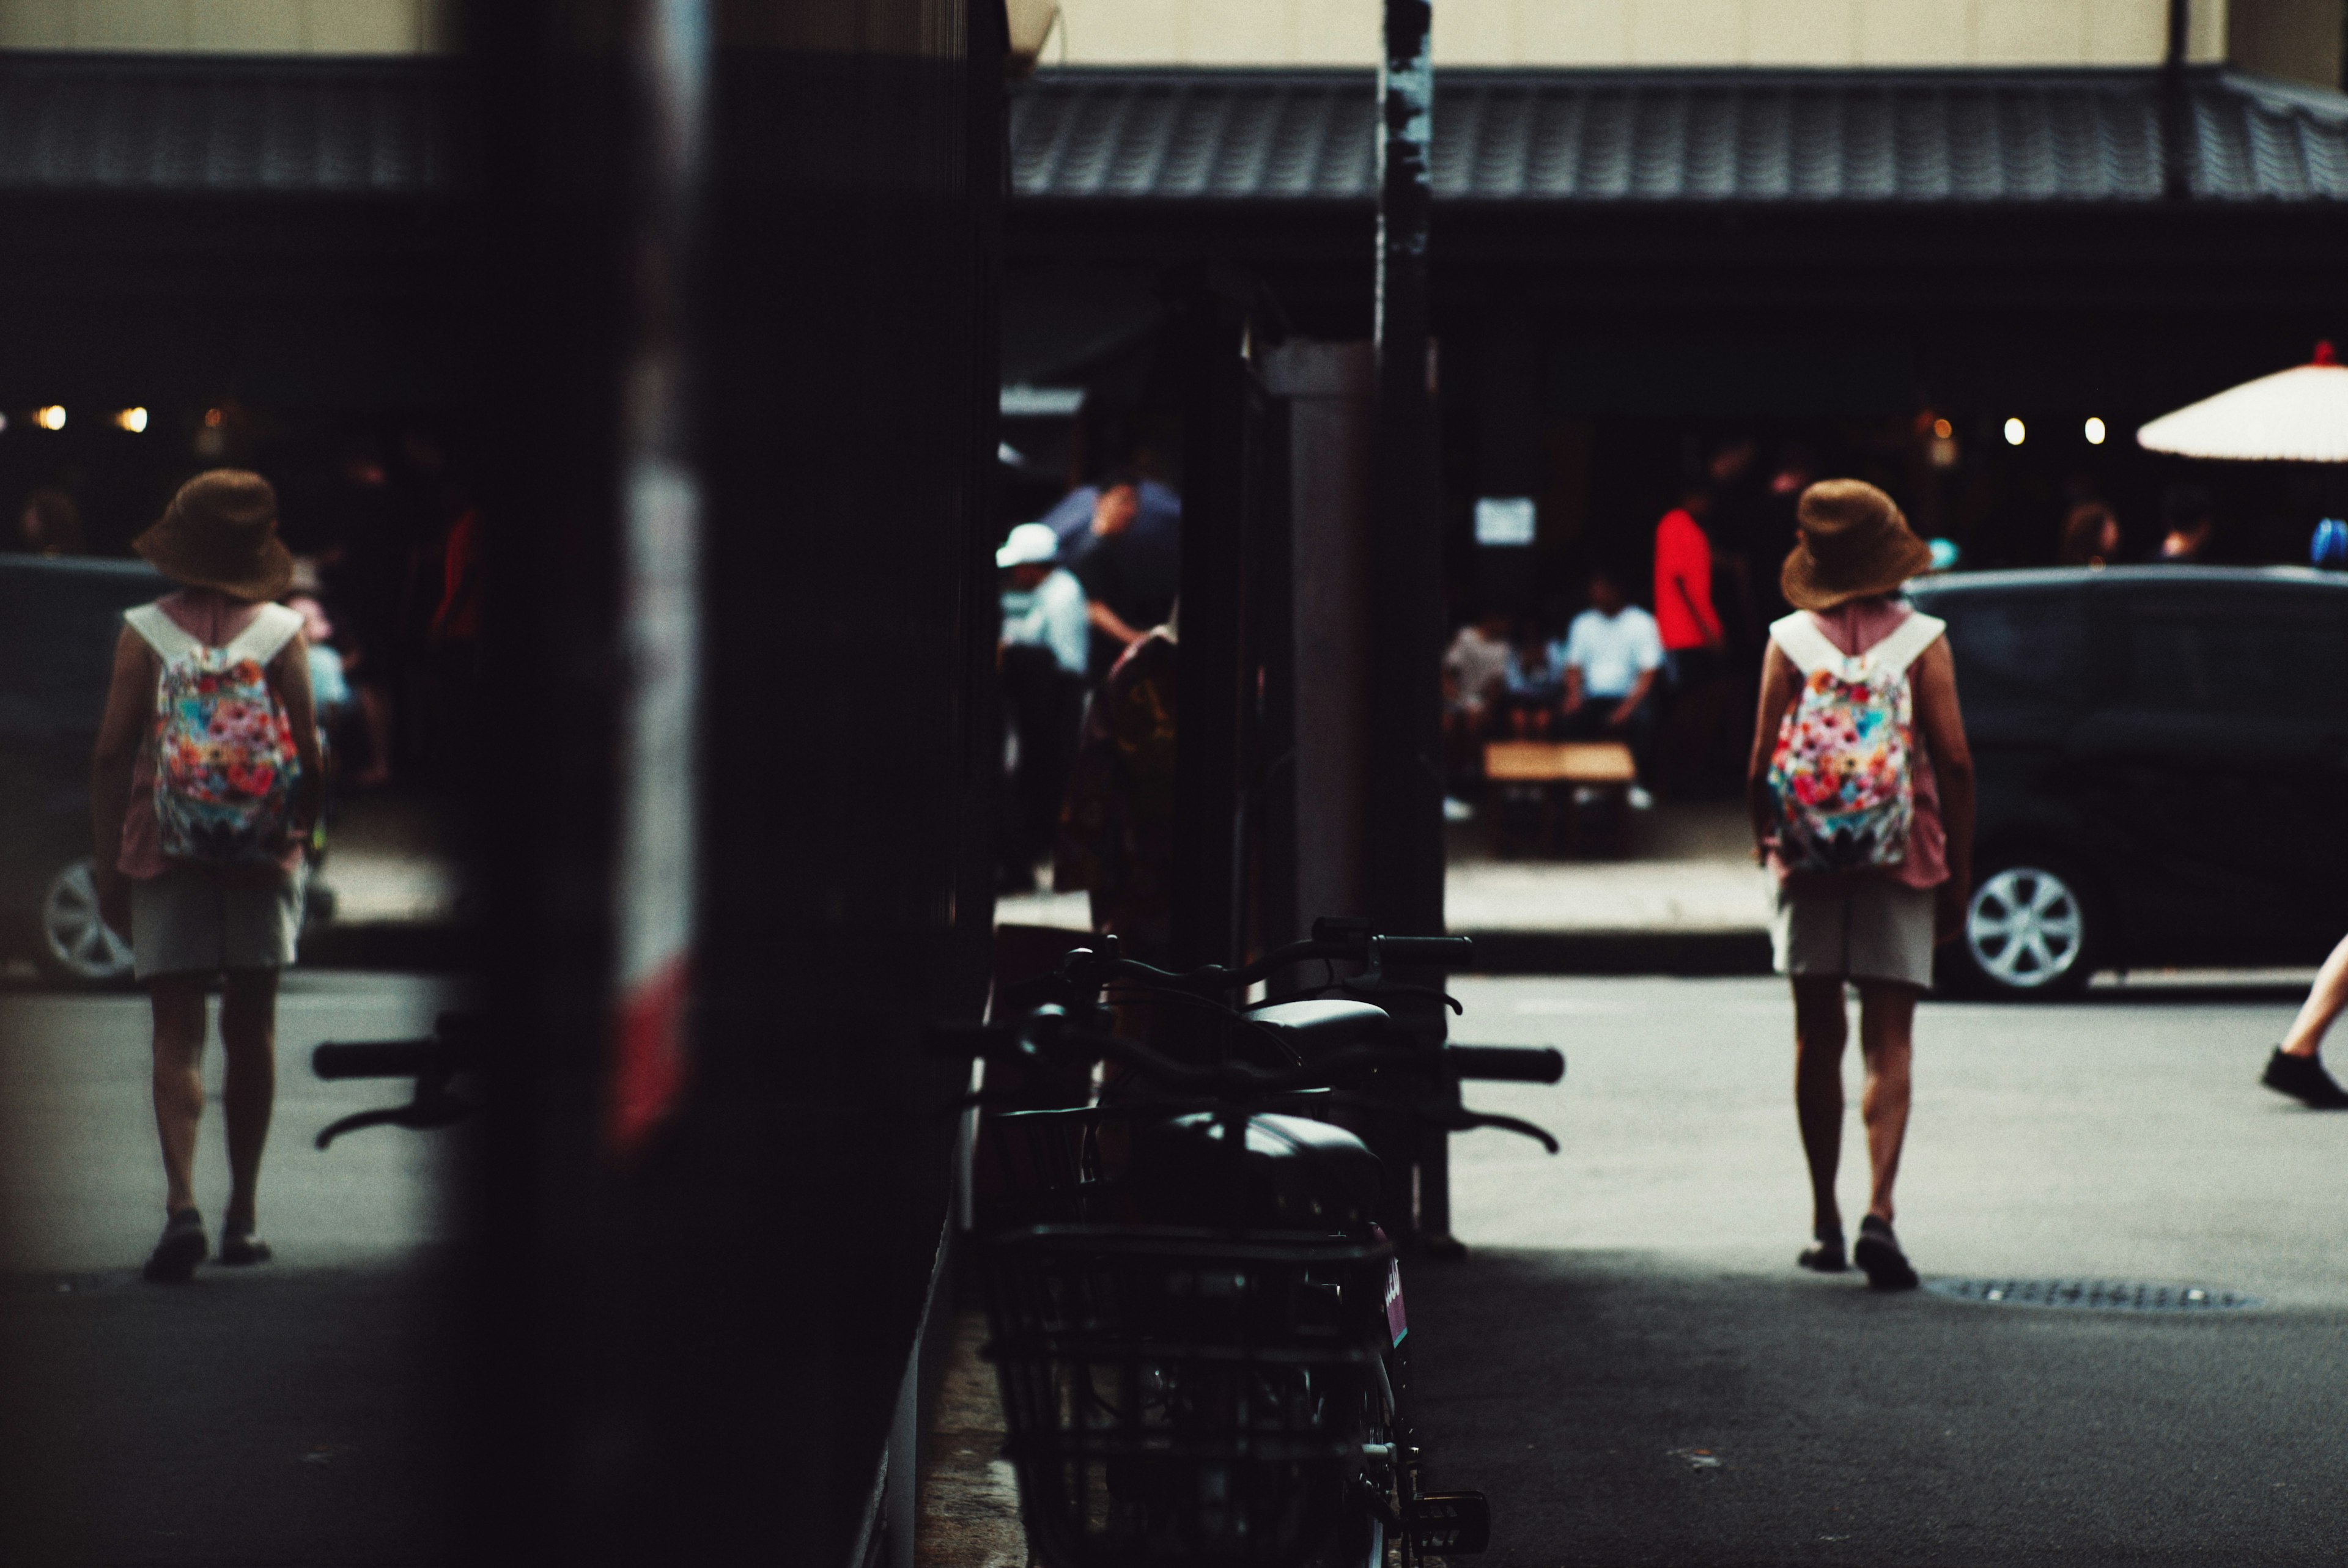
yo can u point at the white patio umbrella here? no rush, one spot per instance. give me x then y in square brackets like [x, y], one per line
[2295, 416]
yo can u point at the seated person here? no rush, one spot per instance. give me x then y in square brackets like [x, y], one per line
[1475, 676]
[1612, 654]
[1533, 686]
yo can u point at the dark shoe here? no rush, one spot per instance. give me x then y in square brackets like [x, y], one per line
[1827, 1256]
[2303, 1078]
[1878, 1253]
[182, 1247]
[240, 1248]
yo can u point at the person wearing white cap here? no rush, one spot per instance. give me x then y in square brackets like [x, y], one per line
[1044, 643]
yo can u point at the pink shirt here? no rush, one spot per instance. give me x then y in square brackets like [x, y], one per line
[215, 621]
[1854, 627]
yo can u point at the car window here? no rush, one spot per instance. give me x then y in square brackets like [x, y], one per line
[58, 630]
[2017, 651]
[2232, 652]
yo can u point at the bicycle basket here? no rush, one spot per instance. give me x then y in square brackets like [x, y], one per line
[1039, 1167]
[1189, 1398]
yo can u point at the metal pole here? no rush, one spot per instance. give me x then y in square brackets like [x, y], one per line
[1404, 859]
[2176, 107]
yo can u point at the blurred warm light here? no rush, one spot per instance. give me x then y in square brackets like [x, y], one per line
[213, 418]
[1943, 429]
[50, 416]
[2015, 432]
[2096, 431]
[131, 419]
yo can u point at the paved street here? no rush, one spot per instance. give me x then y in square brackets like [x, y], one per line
[277, 1415]
[1633, 1369]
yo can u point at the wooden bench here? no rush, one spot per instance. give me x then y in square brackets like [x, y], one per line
[1557, 771]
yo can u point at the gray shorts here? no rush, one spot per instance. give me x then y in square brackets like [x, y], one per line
[1873, 929]
[187, 921]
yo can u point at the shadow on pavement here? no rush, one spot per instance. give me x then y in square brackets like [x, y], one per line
[1624, 1409]
[251, 1417]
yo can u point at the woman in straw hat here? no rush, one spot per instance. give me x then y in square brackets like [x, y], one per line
[190, 919]
[1875, 922]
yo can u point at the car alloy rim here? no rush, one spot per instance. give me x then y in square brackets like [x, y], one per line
[2023, 927]
[71, 927]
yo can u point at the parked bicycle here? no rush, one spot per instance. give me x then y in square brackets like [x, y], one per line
[1195, 1307]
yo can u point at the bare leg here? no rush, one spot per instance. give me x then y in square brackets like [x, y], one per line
[249, 1038]
[177, 1003]
[1820, 1033]
[1886, 1017]
[2323, 1004]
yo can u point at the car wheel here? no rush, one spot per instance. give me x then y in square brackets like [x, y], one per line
[2030, 930]
[73, 943]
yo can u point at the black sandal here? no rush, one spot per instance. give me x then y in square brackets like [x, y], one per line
[240, 1248]
[183, 1246]
[1878, 1253]
[1827, 1256]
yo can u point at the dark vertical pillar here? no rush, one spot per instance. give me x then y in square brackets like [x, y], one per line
[1404, 786]
[707, 1272]
[1329, 390]
[1212, 325]
[1405, 731]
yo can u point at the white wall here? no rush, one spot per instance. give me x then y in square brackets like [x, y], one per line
[229, 26]
[1639, 32]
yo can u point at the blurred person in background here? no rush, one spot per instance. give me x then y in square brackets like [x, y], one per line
[1532, 685]
[1129, 561]
[365, 575]
[2190, 517]
[2091, 536]
[50, 524]
[1041, 653]
[1612, 653]
[1475, 677]
[1696, 663]
[1117, 837]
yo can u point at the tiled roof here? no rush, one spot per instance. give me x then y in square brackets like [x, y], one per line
[1722, 136]
[196, 125]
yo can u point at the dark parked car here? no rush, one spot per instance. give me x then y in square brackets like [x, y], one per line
[58, 621]
[2163, 763]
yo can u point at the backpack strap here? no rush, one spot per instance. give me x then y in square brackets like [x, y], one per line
[1798, 637]
[1812, 651]
[1907, 642]
[271, 631]
[160, 632]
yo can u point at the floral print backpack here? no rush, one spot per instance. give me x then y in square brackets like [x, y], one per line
[224, 758]
[1843, 772]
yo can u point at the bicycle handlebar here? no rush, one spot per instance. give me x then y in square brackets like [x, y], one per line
[1507, 1063]
[379, 1058]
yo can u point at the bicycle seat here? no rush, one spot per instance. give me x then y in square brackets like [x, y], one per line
[1314, 1029]
[1301, 1174]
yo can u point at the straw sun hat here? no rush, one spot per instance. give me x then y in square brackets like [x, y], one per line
[220, 532]
[1855, 545]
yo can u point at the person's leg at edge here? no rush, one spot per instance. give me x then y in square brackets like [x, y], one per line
[249, 1042]
[1821, 1030]
[177, 1003]
[1887, 1020]
[2323, 1004]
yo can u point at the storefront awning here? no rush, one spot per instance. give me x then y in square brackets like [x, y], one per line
[214, 126]
[1756, 136]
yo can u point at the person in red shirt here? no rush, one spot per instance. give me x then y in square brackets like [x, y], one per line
[1683, 611]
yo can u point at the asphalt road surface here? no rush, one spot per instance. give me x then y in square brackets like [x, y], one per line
[1632, 1366]
[281, 1414]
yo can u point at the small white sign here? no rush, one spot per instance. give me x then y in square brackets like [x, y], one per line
[1504, 521]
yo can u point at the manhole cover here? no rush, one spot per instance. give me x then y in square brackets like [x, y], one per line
[2093, 1295]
